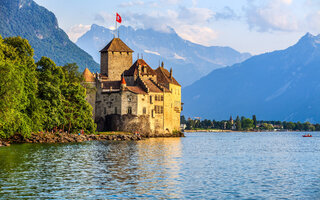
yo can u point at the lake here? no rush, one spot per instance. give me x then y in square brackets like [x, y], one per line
[199, 166]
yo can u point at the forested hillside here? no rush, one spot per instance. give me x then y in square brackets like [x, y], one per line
[40, 27]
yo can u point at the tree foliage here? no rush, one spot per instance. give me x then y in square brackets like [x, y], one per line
[39, 96]
[246, 124]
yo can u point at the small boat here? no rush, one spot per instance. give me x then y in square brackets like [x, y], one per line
[307, 135]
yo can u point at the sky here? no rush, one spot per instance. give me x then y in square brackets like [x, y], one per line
[254, 26]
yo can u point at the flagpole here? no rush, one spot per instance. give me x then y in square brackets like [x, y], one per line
[115, 33]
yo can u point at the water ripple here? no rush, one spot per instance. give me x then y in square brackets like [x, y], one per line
[200, 166]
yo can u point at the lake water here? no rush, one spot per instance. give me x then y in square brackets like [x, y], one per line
[199, 166]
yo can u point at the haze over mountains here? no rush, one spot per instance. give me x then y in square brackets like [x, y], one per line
[189, 61]
[281, 85]
[27, 19]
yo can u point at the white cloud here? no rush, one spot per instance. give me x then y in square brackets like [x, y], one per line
[77, 31]
[131, 4]
[197, 34]
[176, 56]
[152, 52]
[288, 2]
[271, 15]
[192, 24]
[313, 21]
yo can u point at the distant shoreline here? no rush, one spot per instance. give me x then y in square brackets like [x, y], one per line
[228, 131]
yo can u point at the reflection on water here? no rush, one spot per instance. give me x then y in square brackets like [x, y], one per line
[91, 170]
[159, 165]
[200, 166]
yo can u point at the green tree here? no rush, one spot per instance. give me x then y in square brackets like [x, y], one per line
[51, 78]
[39, 96]
[299, 126]
[238, 124]
[254, 118]
[77, 111]
[268, 127]
[17, 54]
[290, 126]
[190, 124]
[229, 125]
[183, 120]
[247, 124]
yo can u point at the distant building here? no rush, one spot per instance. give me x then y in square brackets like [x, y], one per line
[231, 120]
[132, 97]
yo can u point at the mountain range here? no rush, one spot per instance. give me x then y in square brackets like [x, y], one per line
[39, 26]
[189, 61]
[281, 85]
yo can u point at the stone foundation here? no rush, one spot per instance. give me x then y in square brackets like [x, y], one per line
[132, 124]
[128, 123]
[65, 138]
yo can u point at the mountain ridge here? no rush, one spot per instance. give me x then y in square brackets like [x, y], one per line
[279, 85]
[39, 26]
[186, 58]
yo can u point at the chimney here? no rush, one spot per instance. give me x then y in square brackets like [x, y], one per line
[171, 73]
[162, 64]
[139, 70]
[145, 69]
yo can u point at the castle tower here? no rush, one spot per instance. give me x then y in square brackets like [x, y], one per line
[116, 57]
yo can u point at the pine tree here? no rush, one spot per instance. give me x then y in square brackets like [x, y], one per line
[238, 124]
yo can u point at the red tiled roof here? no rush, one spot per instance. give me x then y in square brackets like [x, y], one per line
[123, 81]
[116, 45]
[136, 89]
[145, 69]
[152, 87]
[88, 76]
[163, 76]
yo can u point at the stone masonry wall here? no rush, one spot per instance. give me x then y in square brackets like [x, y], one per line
[104, 63]
[117, 63]
[129, 123]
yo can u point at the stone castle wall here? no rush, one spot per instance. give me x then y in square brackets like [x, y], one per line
[117, 63]
[91, 92]
[129, 123]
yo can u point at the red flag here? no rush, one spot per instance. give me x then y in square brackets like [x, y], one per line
[118, 18]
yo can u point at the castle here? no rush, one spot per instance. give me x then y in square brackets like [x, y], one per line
[132, 97]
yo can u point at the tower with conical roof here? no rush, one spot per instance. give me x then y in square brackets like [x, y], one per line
[116, 57]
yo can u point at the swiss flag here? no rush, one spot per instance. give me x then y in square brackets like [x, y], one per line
[118, 18]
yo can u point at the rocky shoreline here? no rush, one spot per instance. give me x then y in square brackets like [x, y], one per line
[75, 138]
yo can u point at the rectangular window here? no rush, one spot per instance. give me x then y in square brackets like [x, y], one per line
[161, 97]
[129, 110]
[144, 110]
[151, 101]
[158, 109]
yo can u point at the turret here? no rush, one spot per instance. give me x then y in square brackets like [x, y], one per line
[123, 83]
